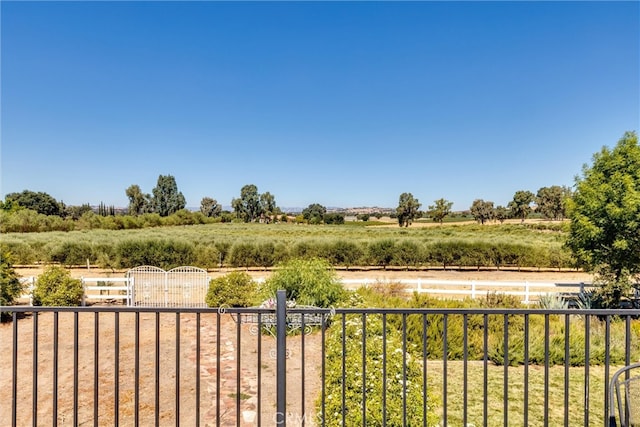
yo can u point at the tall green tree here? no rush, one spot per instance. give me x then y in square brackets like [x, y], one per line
[166, 197]
[605, 218]
[210, 207]
[501, 213]
[520, 206]
[314, 213]
[269, 207]
[407, 209]
[482, 211]
[139, 202]
[440, 210]
[247, 207]
[41, 202]
[551, 201]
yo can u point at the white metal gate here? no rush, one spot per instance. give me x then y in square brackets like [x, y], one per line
[179, 287]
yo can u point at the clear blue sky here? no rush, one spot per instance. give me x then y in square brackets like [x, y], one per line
[339, 103]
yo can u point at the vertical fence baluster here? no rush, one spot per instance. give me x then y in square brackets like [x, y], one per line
[14, 362]
[485, 367]
[259, 367]
[76, 344]
[404, 369]
[136, 369]
[157, 369]
[218, 339]
[238, 371]
[302, 370]
[567, 356]
[364, 367]
[505, 384]
[607, 361]
[198, 369]
[55, 369]
[281, 316]
[34, 405]
[424, 370]
[526, 370]
[445, 374]
[177, 369]
[384, 369]
[587, 356]
[96, 367]
[465, 370]
[116, 369]
[344, 368]
[546, 370]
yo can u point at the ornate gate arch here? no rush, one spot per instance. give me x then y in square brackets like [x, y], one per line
[179, 287]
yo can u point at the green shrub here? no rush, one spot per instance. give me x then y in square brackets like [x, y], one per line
[396, 366]
[236, 289]
[307, 281]
[10, 286]
[56, 287]
[72, 253]
[165, 254]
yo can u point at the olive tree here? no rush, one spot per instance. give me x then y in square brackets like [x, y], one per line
[407, 209]
[247, 207]
[551, 201]
[210, 207]
[482, 211]
[520, 206]
[440, 210]
[605, 218]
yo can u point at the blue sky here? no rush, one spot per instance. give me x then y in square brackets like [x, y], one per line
[339, 103]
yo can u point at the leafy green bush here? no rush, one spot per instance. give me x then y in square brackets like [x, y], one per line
[236, 289]
[165, 254]
[10, 286]
[403, 376]
[307, 281]
[56, 287]
[72, 253]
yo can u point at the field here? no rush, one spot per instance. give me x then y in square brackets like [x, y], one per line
[532, 245]
[216, 244]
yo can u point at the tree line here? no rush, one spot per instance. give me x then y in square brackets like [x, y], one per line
[165, 205]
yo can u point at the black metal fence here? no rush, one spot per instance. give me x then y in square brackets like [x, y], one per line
[113, 365]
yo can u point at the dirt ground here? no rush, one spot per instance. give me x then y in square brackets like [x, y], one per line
[167, 373]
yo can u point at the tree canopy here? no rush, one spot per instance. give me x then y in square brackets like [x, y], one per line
[314, 213]
[41, 202]
[407, 209]
[551, 201]
[166, 197]
[605, 216]
[520, 206]
[482, 211]
[440, 210]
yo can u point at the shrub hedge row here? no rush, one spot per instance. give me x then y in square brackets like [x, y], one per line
[246, 252]
[474, 328]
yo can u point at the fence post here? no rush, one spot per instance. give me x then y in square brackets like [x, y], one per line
[473, 289]
[281, 363]
[526, 292]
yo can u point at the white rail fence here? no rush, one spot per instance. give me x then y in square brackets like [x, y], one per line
[124, 290]
[530, 291]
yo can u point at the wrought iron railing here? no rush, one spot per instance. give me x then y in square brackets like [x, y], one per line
[114, 365]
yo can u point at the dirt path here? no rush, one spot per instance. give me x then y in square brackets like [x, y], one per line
[227, 380]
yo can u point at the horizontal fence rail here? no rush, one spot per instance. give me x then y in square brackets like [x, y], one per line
[193, 292]
[115, 365]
